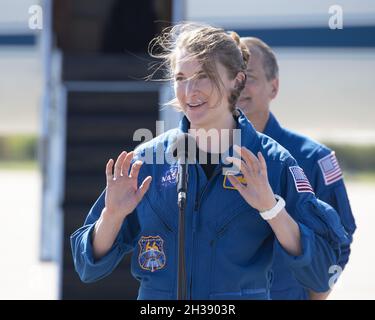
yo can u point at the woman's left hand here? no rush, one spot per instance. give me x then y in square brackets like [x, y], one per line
[257, 192]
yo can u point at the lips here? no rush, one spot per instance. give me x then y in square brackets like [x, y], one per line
[195, 105]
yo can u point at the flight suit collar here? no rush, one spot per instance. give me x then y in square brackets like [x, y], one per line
[248, 133]
[273, 128]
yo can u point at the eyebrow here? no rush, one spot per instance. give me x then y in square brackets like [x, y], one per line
[197, 73]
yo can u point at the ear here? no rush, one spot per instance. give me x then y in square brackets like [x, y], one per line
[239, 79]
[274, 87]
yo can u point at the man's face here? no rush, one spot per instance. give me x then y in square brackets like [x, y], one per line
[258, 91]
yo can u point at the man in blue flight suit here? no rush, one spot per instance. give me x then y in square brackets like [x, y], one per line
[318, 161]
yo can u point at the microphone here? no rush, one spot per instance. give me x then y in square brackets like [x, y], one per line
[184, 150]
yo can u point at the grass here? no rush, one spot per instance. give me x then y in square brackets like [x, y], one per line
[356, 158]
[19, 165]
[31, 165]
[360, 176]
[19, 152]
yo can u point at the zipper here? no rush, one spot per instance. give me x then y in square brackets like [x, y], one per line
[198, 200]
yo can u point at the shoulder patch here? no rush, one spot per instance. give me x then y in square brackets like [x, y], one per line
[330, 168]
[300, 180]
[151, 253]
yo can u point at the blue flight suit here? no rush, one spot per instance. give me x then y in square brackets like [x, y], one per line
[229, 247]
[322, 169]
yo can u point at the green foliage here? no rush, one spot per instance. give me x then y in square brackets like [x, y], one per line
[355, 157]
[18, 148]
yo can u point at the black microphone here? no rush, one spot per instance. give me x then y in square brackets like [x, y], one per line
[184, 150]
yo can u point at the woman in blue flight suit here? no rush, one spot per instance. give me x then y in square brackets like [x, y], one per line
[234, 223]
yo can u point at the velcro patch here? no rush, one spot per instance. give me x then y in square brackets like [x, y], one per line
[300, 180]
[227, 184]
[330, 169]
[151, 253]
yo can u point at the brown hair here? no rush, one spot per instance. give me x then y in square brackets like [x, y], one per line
[270, 65]
[208, 45]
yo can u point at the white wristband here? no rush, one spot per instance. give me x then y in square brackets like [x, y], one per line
[272, 213]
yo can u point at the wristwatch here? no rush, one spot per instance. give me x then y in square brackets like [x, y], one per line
[273, 212]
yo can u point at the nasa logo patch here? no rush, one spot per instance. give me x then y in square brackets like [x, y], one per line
[170, 176]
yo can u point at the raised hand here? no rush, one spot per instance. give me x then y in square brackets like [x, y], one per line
[258, 192]
[123, 195]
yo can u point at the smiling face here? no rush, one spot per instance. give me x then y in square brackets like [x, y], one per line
[258, 91]
[201, 101]
[208, 67]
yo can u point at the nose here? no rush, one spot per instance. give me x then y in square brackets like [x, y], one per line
[191, 87]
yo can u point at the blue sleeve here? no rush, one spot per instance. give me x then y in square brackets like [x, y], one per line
[87, 267]
[322, 234]
[335, 194]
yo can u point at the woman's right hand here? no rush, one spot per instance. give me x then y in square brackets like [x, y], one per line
[122, 194]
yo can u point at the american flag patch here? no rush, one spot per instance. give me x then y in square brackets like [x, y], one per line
[300, 180]
[330, 168]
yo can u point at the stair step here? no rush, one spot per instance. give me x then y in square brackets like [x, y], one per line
[109, 67]
[114, 103]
